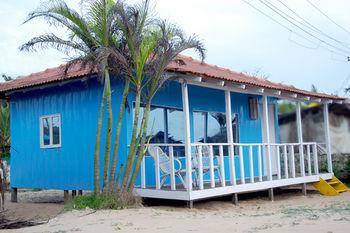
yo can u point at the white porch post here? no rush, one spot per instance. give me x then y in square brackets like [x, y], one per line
[187, 135]
[230, 136]
[267, 131]
[300, 139]
[327, 137]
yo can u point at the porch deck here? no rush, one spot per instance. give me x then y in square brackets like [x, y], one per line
[284, 165]
[197, 194]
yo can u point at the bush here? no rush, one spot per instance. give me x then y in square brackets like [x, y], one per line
[5, 155]
[113, 201]
[347, 168]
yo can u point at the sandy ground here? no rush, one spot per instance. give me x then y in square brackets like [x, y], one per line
[37, 205]
[290, 212]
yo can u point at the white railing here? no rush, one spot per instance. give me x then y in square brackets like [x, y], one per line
[213, 166]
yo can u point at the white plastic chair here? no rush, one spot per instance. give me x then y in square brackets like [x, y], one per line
[206, 161]
[165, 165]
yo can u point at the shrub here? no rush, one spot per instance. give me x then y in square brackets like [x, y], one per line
[5, 155]
[115, 201]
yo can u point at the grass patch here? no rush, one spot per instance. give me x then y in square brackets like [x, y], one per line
[342, 208]
[115, 201]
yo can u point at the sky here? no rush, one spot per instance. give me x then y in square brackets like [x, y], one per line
[235, 35]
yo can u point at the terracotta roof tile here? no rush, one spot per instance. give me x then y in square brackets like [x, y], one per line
[191, 66]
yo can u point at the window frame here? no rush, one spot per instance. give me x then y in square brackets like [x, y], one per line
[165, 109]
[253, 104]
[41, 123]
[206, 123]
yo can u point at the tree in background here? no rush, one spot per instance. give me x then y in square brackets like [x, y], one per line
[5, 122]
[4, 127]
[6, 77]
[285, 106]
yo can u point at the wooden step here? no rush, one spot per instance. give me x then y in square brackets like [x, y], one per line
[332, 187]
[342, 190]
[333, 182]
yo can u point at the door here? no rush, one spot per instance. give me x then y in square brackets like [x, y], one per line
[272, 132]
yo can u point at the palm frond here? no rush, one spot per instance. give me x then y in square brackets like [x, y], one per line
[171, 41]
[57, 13]
[47, 41]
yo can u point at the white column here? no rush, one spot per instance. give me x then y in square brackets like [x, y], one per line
[230, 137]
[267, 131]
[187, 134]
[327, 137]
[300, 139]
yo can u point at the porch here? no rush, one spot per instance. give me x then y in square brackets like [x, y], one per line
[192, 171]
[219, 174]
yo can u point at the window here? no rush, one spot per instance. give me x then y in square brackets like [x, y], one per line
[253, 108]
[156, 125]
[216, 127]
[200, 126]
[175, 123]
[210, 127]
[50, 131]
[165, 125]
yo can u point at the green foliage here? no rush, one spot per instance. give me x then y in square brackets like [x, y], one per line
[6, 77]
[347, 172]
[289, 107]
[314, 88]
[113, 201]
[286, 107]
[4, 127]
[337, 171]
[5, 155]
[342, 170]
[347, 168]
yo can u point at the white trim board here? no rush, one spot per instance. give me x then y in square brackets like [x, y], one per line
[222, 191]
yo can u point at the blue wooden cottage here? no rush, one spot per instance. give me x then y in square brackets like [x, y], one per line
[214, 132]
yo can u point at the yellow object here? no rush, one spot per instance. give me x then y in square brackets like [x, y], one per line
[331, 187]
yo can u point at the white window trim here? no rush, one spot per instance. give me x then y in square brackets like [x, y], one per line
[51, 134]
[206, 122]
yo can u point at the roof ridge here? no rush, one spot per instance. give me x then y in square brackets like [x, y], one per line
[192, 66]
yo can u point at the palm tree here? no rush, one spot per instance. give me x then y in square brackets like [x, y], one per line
[6, 77]
[136, 24]
[92, 39]
[132, 22]
[170, 42]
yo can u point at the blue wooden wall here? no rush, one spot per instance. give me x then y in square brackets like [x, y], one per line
[67, 167]
[71, 166]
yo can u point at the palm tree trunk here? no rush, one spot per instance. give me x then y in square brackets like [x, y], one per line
[109, 132]
[133, 146]
[142, 151]
[118, 177]
[98, 144]
[112, 178]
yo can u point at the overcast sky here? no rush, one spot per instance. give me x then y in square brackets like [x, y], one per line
[236, 36]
